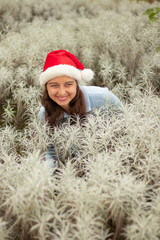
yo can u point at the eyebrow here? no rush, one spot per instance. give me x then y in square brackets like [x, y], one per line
[70, 81]
[58, 83]
[53, 83]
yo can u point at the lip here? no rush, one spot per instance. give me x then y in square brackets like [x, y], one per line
[62, 98]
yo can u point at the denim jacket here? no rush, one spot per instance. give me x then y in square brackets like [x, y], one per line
[95, 97]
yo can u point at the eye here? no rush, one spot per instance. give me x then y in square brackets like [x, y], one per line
[54, 85]
[69, 84]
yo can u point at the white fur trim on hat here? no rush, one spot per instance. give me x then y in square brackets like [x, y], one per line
[87, 74]
[65, 70]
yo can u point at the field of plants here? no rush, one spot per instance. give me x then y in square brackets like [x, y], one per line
[109, 190]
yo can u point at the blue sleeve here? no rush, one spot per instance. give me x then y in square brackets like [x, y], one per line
[41, 113]
[113, 102]
[50, 157]
[103, 98]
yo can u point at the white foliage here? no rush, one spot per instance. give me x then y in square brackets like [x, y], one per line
[107, 182]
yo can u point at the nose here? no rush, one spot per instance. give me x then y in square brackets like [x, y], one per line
[62, 91]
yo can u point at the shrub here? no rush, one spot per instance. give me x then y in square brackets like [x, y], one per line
[108, 187]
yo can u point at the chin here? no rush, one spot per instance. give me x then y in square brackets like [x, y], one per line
[63, 104]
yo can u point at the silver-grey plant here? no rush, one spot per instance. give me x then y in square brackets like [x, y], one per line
[107, 183]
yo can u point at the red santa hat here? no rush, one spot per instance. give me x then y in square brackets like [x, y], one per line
[60, 63]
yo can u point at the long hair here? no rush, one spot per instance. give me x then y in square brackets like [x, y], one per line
[54, 113]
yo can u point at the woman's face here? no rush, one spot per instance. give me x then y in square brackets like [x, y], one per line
[62, 90]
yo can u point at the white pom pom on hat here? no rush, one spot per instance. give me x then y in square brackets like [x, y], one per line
[60, 63]
[87, 74]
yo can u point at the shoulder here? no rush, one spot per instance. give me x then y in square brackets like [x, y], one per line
[96, 96]
[95, 90]
[100, 96]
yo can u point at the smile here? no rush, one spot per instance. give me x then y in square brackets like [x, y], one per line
[62, 98]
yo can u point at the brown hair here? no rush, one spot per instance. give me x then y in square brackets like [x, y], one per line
[55, 113]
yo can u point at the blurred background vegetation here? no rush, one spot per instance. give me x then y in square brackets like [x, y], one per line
[111, 189]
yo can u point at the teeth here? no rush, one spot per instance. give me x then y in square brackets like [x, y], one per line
[62, 98]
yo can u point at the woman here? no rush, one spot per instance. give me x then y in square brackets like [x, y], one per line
[64, 97]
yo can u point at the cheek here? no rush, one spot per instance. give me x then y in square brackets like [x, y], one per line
[51, 93]
[73, 94]
[74, 91]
